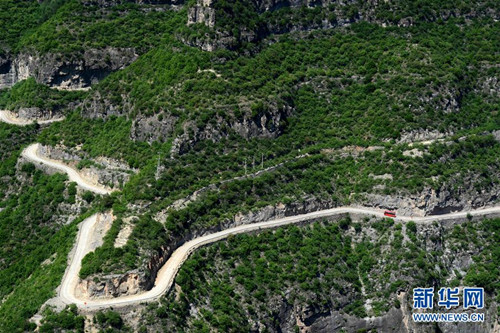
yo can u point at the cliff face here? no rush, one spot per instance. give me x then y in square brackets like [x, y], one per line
[457, 261]
[444, 200]
[203, 13]
[111, 286]
[137, 281]
[73, 71]
[37, 113]
[269, 122]
[397, 320]
[326, 14]
[99, 171]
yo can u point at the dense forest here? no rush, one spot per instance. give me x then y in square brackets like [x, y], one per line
[332, 103]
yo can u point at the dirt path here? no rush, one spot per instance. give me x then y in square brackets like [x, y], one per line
[31, 154]
[167, 273]
[10, 118]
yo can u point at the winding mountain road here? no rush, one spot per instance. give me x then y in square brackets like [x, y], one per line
[165, 277]
[166, 274]
[10, 118]
[31, 154]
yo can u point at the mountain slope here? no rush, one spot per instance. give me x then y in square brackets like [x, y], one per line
[296, 107]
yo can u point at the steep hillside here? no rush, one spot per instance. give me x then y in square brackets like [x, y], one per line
[381, 82]
[328, 277]
[220, 113]
[81, 42]
[35, 237]
[240, 23]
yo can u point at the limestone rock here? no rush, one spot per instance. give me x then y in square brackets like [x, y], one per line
[72, 71]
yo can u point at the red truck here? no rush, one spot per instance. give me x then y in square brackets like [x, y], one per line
[390, 213]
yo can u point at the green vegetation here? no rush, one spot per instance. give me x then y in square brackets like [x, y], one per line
[355, 87]
[23, 217]
[103, 259]
[76, 27]
[12, 139]
[110, 321]
[46, 269]
[28, 93]
[60, 26]
[18, 18]
[485, 272]
[235, 282]
[34, 245]
[68, 319]
[324, 176]
[326, 108]
[102, 138]
[364, 86]
[299, 261]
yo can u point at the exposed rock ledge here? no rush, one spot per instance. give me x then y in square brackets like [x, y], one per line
[445, 199]
[104, 171]
[74, 71]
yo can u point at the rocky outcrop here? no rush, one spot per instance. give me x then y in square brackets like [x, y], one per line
[202, 13]
[310, 319]
[110, 285]
[125, 231]
[98, 106]
[154, 128]
[35, 113]
[303, 312]
[422, 135]
[137, 281]
[72, 71]
[429, 201]
[101, 170]
[60, 153]
[107, 3]
[268, 123]
[332, 318]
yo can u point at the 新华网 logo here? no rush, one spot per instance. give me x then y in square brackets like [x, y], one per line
[472, 298]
